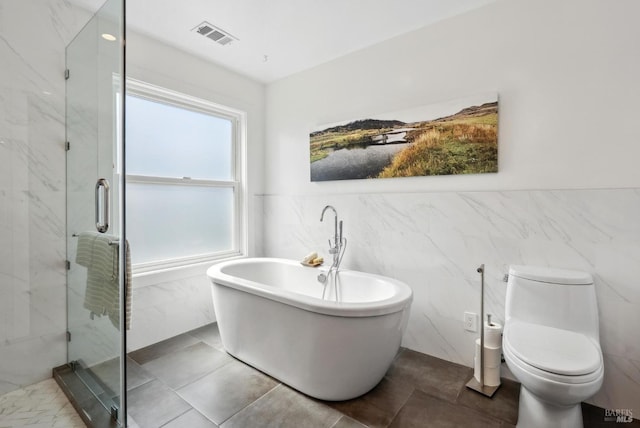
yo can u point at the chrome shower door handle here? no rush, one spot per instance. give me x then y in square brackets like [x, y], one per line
[102, 201]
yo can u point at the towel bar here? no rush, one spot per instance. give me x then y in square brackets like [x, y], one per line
[114, 242]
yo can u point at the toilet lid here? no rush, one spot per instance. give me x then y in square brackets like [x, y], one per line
[553, 350]
[551, 275]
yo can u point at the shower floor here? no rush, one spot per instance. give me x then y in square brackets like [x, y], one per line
[42, 404]
[189, 381]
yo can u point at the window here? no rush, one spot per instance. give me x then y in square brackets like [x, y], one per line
[184, 179]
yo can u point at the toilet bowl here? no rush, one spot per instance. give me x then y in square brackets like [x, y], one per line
[551, 344]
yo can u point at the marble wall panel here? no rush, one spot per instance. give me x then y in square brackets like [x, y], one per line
[168, 308]
[435, 241]
[29, 359]
[32, 187]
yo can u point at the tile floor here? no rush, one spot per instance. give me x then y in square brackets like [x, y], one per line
[189, 381]
[40, 405]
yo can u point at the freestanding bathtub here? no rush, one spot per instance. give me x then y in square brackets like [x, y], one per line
[271, 315]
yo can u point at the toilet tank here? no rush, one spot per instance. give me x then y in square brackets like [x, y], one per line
[560, 298]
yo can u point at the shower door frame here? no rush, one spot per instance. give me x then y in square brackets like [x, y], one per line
[111, 12]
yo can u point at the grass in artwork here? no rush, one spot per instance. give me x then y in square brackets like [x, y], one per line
[464, 146]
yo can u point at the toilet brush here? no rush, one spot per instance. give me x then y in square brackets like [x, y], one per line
[473, 383]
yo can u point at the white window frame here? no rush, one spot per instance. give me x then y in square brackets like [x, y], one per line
[238, 183]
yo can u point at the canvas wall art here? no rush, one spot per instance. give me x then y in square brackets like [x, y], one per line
[455, 137]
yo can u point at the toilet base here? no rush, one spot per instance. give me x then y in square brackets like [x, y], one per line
[536, 413]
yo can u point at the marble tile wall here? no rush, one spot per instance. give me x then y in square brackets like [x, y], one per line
[32, 187]
[167, 308]
[435, 241]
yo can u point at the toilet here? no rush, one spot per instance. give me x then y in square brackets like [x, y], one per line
[551, 344]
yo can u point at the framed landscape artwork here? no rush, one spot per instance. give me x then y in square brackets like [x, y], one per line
[455, 137]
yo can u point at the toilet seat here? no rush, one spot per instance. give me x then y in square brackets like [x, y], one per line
[560, 355]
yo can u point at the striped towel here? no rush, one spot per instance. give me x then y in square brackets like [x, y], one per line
[99, 253]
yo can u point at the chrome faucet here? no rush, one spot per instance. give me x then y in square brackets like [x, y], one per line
[336, 247]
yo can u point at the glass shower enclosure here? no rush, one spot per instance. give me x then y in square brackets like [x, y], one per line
[96, 259]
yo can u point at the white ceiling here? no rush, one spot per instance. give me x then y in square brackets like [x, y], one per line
[293, 34]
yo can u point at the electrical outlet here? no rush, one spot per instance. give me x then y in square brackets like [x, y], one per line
[471, 321]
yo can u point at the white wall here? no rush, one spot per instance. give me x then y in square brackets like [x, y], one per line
[32, 187]
[566, 73]
[167, 304]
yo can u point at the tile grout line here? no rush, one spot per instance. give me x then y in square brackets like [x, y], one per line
[250, 404]
[150, 376]
[203, 376]
[349, 417]
[188, 383]
[181, 414]
[395, 415]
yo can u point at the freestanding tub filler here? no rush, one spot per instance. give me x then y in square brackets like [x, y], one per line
[272, 315]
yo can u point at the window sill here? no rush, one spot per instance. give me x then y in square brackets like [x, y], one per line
[160, 275]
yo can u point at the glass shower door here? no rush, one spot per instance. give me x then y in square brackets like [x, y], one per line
[95, 263]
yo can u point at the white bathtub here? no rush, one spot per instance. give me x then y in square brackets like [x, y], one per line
[271, 315]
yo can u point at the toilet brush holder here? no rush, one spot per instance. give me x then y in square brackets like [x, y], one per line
[474, 384]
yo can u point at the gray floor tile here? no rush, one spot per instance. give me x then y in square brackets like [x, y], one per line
[347, 422]
[208, 334]
[425, 410]
[224, 392]
[109, 373]
[191, 419]
[136, 375]
[432, 375]
[283, 407]
[173, 344]
[153, 404]
[187, 365]
[419, 390]
[503, 405]
[131, 423]
[378, 407]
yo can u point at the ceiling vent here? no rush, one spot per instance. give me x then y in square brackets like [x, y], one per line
[214, 33]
